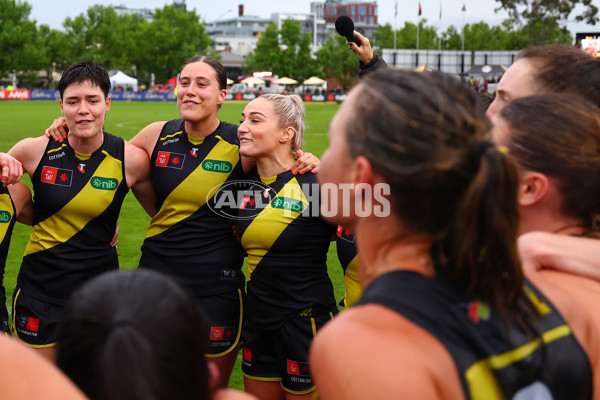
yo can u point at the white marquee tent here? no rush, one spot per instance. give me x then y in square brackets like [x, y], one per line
[124, 80]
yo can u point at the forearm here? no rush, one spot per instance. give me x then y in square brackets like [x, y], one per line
[571, 254]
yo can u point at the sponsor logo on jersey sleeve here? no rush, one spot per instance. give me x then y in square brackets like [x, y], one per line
[168, 159]
[57, 176]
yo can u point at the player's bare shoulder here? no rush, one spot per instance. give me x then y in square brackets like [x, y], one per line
[147, 137]
[29, 152]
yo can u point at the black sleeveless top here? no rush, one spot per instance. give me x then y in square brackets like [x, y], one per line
[494, 362]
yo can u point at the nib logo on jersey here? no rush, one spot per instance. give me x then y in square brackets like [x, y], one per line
[27, 325]
[171, 160]
[5, 216]
[57, 176]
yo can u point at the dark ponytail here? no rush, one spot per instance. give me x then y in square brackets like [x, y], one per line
[426, 135]
[480, 246]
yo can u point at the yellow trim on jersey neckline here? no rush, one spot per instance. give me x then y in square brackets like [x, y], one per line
[269, 180]
[82, 157]
[195, 141]
[480, 377]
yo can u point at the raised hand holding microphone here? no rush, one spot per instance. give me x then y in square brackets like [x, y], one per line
[345, 27]
[355, 41]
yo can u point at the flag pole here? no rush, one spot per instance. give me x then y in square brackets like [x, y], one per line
[440, 29]
[418, 24]
[464, 10]
[394, 29]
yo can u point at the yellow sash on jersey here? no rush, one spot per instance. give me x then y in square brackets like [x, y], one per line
[75, 215]
[5, 207]
[200, 184]
[264, 230]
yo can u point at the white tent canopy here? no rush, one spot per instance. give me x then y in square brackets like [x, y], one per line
[122, 79]
[253, 81]
[285, 81]
[313, 80]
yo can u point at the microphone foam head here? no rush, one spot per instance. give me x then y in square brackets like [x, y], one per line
[344, 26]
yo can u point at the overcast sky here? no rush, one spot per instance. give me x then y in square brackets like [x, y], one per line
[53, 13]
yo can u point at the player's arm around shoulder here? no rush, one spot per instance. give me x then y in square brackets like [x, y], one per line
[21, 196]
[371, 352]
[147, 137]
[29, 152]
[137, 174]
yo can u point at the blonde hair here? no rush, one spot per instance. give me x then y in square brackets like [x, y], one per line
[290, 112]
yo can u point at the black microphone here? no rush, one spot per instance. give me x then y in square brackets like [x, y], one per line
[345, 27]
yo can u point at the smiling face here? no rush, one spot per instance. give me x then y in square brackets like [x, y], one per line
[84, 107]
[259, 131]
[518, 81]
[198, 93]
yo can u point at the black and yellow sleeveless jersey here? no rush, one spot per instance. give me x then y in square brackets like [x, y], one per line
[348, 257]
[7, 222]
[287, 243]
[187, 238]
[76, 207]
[493, 361]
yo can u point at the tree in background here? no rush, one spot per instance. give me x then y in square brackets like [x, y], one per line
[284, 52]
[267, 56]
[101, 35]
[172, 38]
[543, 18]
[337, 61]
[53, 49]
[17, 37]
[406, 37]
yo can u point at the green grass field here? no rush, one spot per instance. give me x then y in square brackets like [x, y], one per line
[21, 119]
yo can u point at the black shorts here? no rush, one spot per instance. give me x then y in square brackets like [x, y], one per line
[282, 355]
[35, 322]
[225, 315]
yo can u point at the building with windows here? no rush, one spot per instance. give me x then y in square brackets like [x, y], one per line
[145, 13]
[363, 13]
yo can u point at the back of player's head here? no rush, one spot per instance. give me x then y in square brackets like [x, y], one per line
[563, 145]
[561, 68]
[134, 335]
[427, 137]
[82, 71]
